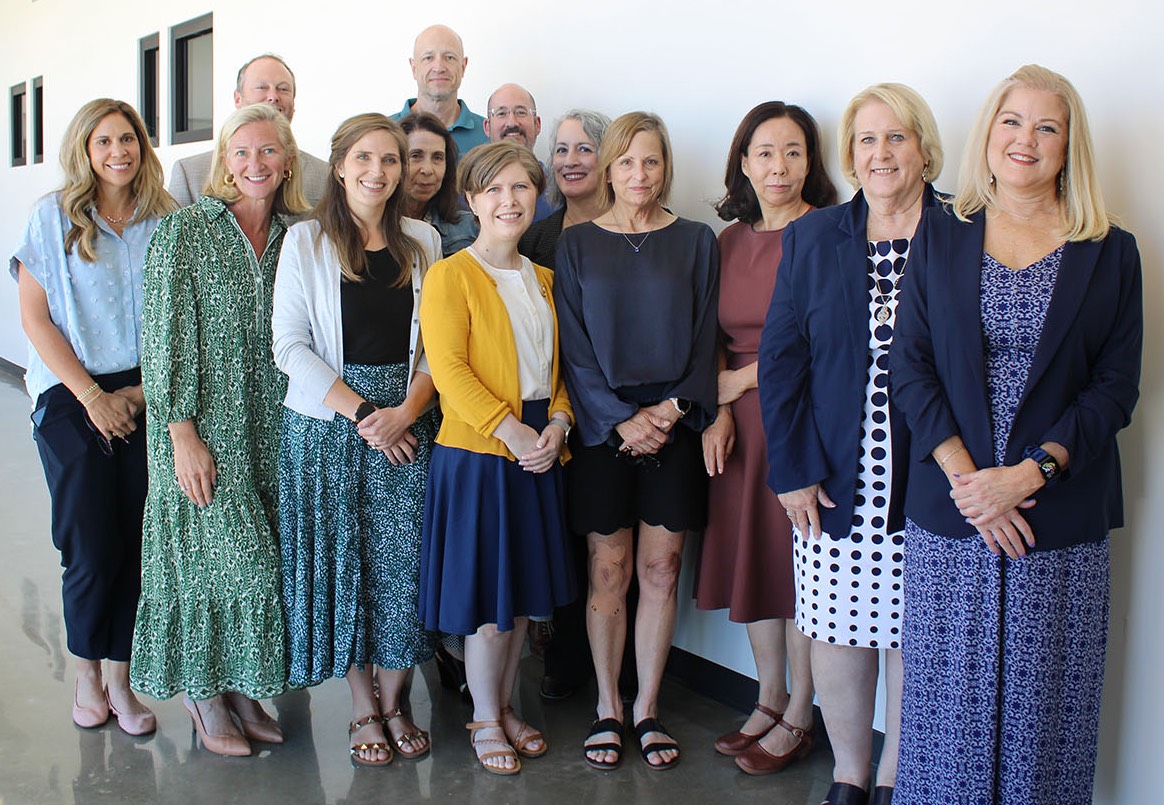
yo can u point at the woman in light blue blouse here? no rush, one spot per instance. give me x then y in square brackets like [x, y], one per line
[79, 268]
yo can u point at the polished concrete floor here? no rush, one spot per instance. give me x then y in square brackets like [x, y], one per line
[45, 759]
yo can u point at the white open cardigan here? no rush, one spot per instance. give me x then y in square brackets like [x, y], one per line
[307, 321]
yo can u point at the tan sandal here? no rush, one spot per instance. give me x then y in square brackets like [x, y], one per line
[507, 751]
[525, 736]
[355, 749]
[412, 734]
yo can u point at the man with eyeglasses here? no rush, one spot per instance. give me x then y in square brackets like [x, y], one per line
[513, 115]
[438, 65]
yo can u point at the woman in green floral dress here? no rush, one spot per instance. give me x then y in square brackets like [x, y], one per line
[209, 620]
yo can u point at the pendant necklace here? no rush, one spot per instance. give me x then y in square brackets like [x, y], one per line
[882, 312]
[627, 237]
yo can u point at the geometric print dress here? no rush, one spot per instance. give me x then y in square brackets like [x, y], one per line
[1003, 658]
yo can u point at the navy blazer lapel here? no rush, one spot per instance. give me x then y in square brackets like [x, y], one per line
[1071, 286]
[852, 267]
[963, 280]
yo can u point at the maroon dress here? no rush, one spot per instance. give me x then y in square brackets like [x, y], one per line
[746, 562]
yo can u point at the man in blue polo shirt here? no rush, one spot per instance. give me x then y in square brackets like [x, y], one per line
[438, 64]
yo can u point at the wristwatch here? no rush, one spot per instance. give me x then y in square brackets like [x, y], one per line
[561, 423]
[682, 406]
[1048, 466]
[365, 409]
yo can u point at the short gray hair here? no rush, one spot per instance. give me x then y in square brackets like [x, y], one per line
[593, 124]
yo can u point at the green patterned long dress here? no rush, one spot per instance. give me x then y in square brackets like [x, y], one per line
[210, 618]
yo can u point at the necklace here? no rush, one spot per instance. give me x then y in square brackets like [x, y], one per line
[626, 237]
[882, 312]
[113, 219]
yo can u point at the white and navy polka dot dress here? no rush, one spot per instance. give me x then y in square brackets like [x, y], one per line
[850, 589]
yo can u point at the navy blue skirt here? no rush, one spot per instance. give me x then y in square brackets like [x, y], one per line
[495, 545]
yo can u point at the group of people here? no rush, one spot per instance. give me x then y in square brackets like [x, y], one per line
[291, 438]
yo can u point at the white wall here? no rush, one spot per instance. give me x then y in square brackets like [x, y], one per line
[701, 66]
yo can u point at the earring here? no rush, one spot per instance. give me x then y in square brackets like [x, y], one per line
[228, 180]
[1062, 180]
[341, 176]
[992, 179]
[287, 175]
[926, 172]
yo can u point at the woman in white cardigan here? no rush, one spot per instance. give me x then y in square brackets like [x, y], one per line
[351, 490]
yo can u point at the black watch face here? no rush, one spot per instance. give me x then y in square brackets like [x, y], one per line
[1049, 469]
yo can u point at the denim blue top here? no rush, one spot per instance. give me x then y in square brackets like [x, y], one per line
[96, 306]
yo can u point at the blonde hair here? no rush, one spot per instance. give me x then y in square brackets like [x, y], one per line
[79, 191]
[289, 199]
[913, 112]
[1085, 215]
[617, 141]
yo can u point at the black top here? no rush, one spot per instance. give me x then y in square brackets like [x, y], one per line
[376, 316]
[540, 241]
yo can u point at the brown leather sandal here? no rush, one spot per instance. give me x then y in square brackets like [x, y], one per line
[405, 744]
[525, 736]
[505, 751]
[364, 746]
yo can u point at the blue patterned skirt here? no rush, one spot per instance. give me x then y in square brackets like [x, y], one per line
[495, 540]
[1004, 665]
[349, 527]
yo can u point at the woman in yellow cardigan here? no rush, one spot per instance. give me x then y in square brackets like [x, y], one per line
[495, 546]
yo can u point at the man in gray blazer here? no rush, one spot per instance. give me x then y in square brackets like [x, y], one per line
[263, 79]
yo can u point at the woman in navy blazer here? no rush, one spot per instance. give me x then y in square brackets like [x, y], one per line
[823, 377]
[1017, 351]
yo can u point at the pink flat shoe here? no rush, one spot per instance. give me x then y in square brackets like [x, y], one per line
[131, 724]
[89, 717]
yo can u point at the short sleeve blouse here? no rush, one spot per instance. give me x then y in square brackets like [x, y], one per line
[96, 306]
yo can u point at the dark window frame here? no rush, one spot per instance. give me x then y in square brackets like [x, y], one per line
[18, 109]
[180, 36]
[149, 84]
[37, 119]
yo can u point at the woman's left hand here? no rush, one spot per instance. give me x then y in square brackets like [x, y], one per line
[385, 427]
[135, 396]
[985, 495]
[403, 451]
[546, 452]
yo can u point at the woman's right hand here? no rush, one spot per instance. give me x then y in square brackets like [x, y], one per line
[640, 435]
[801, 507]
[718, 441]
[1009, 532]
[112, 414]
[193, 465]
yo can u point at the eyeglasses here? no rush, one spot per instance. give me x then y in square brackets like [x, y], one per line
[519, 112]
[648, 460]
[102, 442]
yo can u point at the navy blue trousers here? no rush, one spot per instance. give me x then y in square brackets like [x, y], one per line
[98, 495]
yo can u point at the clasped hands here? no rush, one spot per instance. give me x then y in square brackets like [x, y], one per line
[535, 452]
[647, 430]
[387, 430]
[991, 499]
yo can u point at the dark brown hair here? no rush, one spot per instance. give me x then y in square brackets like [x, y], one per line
[740, 201]
[445, 200]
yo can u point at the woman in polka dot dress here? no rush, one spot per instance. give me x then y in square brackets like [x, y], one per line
[832, 439]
